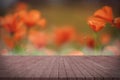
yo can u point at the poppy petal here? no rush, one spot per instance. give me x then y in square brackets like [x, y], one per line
[105, 13]
[117, 22]
[96, 23]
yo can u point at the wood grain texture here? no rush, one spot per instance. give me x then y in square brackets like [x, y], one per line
[59, 68]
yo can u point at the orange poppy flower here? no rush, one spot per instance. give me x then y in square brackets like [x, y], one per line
[9, 42]
[105, 38]
[38, 39]
[11, 22]
[22, 14]
[42, 23]
[20, 34]
[117, 22]
[96, 24]
[31, 18]
[63, 35]
[105, 13]
[8, 23]
[14, 27]
[90, 42]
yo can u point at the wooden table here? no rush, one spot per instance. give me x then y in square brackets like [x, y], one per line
[59, 68]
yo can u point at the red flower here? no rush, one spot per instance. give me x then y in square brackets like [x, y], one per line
[96, 24]
[9, 23]
[100, 17]
[9, 42]
[105, 13]
[117, 22]
[31, 18]
[15, 28]
[90, 42]
[20, 33]
[105, 38]
[42, 23]
[38, 39]
[63, 35]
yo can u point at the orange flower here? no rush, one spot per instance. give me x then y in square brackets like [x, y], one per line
[9, 42]
[38, 39]
[12, 24]
[63, 35]
[9, 23]
[31, 18]
[15, 28]
[22, 14]
[90, 42]
[105, 13]
[96, 24]
[42, 23]
[20, 34]
[105, 38]
[117, 22]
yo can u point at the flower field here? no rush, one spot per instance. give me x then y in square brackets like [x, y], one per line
[25, 30]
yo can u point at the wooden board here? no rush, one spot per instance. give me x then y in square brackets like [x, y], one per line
[59, 68]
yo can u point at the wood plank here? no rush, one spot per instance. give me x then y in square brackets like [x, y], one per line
[82, 63]
[41, 67]
[69, 70]
[48, 69]
[77, 70]
[26, 70]
[108, 63]
[104, 69]
[59, 68]
[62, 71]
[9, 71]
[54, 72]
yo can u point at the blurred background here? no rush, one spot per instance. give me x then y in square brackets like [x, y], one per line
[61, 13]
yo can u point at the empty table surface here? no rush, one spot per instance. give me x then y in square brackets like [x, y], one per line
[59, 67]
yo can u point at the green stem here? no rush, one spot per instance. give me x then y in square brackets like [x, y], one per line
[95, 37]
[97, 43]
